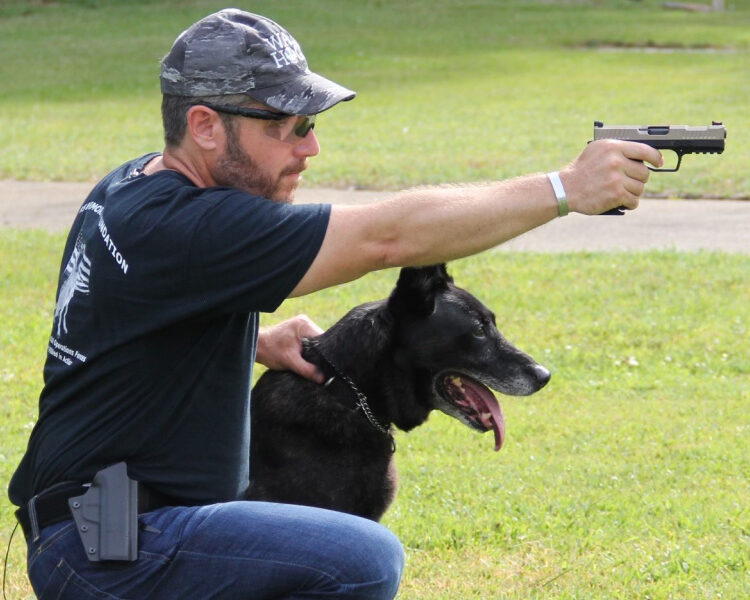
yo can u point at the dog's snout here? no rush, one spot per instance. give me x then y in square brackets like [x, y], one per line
[542, 375]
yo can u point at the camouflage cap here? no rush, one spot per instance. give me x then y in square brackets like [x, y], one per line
[236, 52]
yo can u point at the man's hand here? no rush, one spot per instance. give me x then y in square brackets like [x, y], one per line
[280, 347]
[608, 174]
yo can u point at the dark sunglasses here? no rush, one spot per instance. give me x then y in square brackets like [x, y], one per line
[303, 125]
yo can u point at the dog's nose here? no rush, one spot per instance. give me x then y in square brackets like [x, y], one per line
[542, 375]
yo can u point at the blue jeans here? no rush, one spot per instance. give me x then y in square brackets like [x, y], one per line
[242, 550]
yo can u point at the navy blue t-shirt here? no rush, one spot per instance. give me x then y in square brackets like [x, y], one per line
[155, 330]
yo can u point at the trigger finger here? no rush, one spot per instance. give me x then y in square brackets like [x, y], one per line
[645, 153]
[657, 159]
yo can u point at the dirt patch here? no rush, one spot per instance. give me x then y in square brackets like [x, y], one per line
[651, 47]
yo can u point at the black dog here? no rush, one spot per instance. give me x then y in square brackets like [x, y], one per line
[430, 345]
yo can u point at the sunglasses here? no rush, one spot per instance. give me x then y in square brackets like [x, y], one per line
[278, 129]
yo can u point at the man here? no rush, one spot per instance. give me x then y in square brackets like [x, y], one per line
[168, 264]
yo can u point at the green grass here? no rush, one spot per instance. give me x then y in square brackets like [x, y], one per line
[627, 477]
[450, 90]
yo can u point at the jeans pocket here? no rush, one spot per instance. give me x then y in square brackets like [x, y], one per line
[65, 584]
[47, 542]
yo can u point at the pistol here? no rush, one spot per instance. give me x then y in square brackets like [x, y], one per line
[680, 139]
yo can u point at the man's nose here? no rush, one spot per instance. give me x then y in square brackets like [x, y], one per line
[308, 145]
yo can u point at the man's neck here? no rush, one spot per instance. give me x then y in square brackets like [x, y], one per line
[175, 160]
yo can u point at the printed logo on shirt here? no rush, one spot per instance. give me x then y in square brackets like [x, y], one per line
[106, 237]
[62, 353]
[76, 279]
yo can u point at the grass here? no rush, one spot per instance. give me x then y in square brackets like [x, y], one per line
[449, 90]
[627, 477]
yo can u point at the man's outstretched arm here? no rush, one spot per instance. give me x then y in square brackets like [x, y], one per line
[431, 225]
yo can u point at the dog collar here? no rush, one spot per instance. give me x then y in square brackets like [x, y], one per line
[361, 397]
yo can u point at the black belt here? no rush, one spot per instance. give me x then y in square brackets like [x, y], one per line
[51, 506]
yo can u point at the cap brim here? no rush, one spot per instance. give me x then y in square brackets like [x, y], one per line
[307, 94]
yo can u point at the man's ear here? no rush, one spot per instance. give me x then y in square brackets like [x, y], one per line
[205, 127]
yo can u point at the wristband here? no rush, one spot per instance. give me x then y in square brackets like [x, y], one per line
[562, 199]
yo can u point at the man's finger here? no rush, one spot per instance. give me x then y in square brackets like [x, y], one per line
[637, 170]
[308, 370]
[635, 188]
[643, 152]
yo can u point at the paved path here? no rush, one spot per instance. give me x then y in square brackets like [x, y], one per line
[658, 224]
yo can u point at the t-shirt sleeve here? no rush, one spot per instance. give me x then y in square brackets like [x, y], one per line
[249, 253]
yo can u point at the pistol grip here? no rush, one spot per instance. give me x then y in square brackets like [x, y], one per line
[618, 212]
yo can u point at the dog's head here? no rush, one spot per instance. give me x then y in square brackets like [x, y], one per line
[448, 339]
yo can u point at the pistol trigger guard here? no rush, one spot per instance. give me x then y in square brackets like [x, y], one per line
[679, 154]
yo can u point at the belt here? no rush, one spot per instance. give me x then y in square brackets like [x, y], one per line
[51, 506]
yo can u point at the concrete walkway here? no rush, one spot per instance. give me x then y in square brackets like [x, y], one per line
[685, 225]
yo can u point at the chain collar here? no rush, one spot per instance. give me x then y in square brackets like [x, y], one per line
[361, 398]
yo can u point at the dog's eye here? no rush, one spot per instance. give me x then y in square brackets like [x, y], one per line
[478, 330]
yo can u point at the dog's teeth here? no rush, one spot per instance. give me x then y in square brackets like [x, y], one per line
[458, 382]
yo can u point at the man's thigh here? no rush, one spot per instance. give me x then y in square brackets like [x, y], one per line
[233, 550]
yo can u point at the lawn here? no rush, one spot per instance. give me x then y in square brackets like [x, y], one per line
[626, 477]
[449, 90]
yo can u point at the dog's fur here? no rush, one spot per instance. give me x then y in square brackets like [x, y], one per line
[426, 347]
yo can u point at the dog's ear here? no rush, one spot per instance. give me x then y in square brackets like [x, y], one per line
[416, 289]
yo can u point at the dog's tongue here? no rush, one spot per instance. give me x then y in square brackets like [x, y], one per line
[487, 407]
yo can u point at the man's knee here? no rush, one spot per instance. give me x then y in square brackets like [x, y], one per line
[392, 557]
[383, 562]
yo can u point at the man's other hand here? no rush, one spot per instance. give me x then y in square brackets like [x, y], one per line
[280, 347]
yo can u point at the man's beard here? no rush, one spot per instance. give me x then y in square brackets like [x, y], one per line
[236, 168]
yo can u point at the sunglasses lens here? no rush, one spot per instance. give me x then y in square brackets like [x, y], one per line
[290, 129]
[304, 126]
